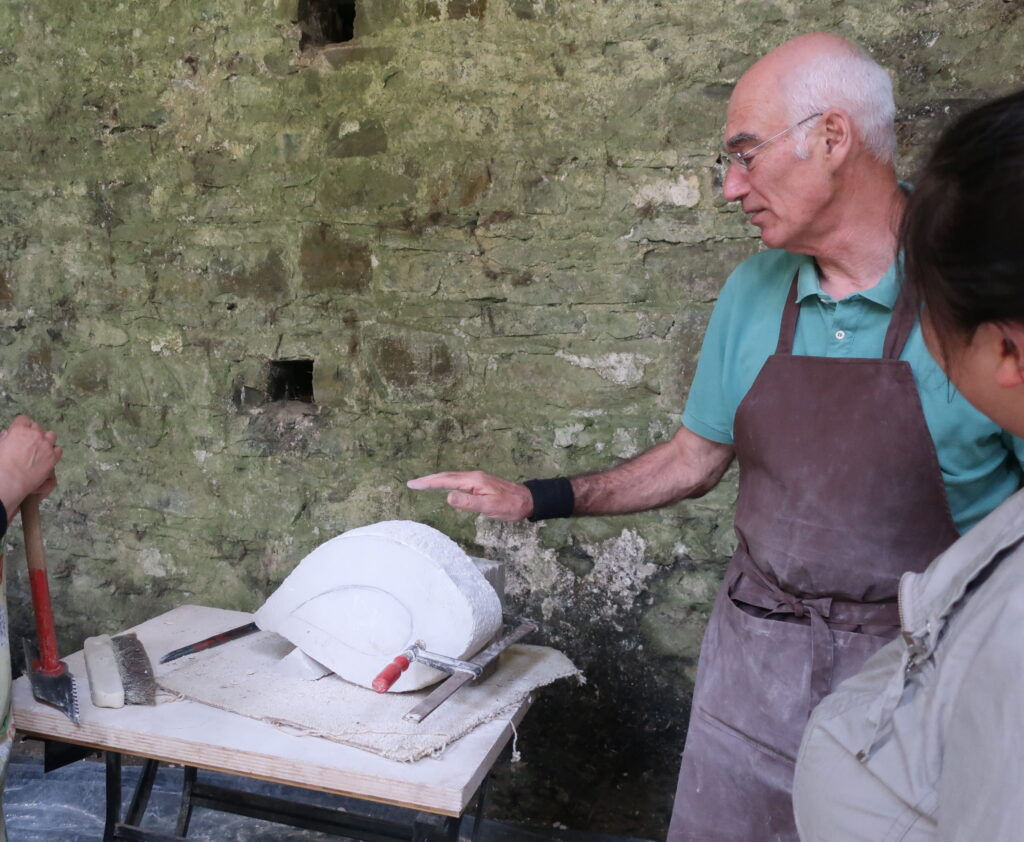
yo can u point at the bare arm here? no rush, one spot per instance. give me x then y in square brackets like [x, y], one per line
[685, 466]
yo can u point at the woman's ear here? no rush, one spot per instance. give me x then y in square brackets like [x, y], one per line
[1011, 356]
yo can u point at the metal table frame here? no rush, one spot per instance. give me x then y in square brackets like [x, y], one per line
[415, 826]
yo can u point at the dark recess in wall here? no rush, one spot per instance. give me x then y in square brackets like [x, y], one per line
[290, 380]
[326, 22]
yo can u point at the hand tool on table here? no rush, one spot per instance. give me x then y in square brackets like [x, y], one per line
[119, 671]
[51, 681]
[462, 672]
[210, 642]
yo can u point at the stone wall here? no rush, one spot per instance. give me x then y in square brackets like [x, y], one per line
[494, 230]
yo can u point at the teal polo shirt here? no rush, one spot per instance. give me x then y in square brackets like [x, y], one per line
[980, 462]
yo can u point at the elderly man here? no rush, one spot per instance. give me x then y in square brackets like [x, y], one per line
[857, 460]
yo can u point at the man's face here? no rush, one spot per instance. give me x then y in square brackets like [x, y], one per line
[781, 193]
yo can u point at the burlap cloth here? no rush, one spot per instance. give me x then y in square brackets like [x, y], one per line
[240, 677]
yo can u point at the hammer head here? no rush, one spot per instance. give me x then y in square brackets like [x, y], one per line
[56, 688]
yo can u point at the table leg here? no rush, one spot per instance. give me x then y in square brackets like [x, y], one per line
[430, 827]
[113, 818]
[140, 799]
[478, 814]
[185, 811]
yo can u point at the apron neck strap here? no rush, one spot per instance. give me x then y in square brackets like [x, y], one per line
[904, 316]
[789, 316]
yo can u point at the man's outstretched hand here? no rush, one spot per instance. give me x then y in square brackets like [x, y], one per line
[475, 491]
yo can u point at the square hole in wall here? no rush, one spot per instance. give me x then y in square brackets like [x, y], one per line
[326, 22]
[290, 380]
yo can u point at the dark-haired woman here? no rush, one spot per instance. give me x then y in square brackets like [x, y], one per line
[927, 742]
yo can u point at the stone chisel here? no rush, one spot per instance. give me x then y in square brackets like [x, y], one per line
[210, 642]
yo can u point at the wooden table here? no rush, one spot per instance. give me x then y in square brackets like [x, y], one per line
[202, 737]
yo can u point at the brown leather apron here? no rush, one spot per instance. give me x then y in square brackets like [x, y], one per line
[840, 493]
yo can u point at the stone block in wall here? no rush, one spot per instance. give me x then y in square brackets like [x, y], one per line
[265, 280]
[6, 290]
[460, 9]
[504, 319]
[373, 16]
[287, 10]
[339, 55]
[694, 273]
[216, 168]
[329, 262]
[363, 186]
[532, 9]
[353, 139]
[416, 366]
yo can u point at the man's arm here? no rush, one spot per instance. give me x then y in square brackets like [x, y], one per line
[687, 465]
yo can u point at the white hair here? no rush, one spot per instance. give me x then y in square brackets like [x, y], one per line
[851, 81]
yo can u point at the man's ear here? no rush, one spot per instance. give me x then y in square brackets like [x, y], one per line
[838, 135]
[1011, 356]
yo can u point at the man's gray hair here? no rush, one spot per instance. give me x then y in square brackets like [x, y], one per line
[851, 81]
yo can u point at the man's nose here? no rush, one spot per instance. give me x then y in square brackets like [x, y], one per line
[736, 183]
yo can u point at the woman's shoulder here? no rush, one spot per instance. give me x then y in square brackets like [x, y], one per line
[995, 600]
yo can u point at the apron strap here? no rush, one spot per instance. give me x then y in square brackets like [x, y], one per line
[755, 587]
[904, 317]
[787, 331]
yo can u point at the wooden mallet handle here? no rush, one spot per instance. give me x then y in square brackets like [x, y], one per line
[49, 662]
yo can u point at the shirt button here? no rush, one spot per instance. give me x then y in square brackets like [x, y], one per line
[840, 334]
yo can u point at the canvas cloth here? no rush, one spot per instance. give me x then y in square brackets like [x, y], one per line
[242, 678]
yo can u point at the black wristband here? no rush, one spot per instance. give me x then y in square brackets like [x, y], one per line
[3, 522]
[551, 498]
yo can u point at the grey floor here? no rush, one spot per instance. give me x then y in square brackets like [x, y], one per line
[67, 805]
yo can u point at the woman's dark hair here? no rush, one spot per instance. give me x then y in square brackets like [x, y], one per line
[963, 231]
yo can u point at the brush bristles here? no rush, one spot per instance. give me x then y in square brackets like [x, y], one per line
[135, 669]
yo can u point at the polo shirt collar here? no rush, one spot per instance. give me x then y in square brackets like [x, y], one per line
[884, 293]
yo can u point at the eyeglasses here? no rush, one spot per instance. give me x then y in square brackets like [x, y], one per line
[746, 159]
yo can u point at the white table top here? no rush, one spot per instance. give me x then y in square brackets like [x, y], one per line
[195, 734]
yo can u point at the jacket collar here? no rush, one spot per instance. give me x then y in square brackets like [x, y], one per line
[927, 599]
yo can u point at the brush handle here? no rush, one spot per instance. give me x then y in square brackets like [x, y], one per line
[49, 662]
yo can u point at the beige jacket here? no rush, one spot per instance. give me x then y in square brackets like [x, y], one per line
[927, 741]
